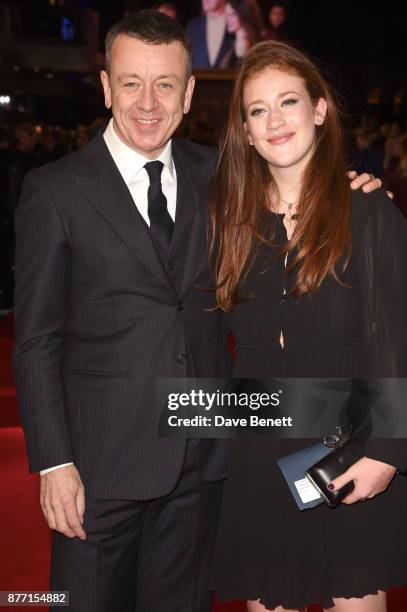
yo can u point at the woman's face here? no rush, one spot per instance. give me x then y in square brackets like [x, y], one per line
[281, 119]
[232, 19]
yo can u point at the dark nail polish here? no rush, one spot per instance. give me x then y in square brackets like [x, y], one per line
[331, 487]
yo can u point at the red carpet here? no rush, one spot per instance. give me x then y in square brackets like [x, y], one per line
[24, 536]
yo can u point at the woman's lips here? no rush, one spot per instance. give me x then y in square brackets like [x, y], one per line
[279, 140]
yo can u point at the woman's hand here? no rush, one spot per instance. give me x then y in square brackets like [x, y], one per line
[371, 477]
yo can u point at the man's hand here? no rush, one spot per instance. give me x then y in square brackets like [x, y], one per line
[63, 501]
[370, 477]
[367, 181]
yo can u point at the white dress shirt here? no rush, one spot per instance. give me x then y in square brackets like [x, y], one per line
[131, 166]
[215, 32]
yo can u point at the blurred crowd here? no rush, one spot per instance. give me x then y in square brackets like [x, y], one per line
[381, 149]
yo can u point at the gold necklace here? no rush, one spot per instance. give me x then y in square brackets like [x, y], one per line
[288, 214]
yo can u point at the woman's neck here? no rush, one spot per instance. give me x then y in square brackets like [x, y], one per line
[289, 187]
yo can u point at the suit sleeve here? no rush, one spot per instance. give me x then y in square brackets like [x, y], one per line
[43, 271]
[390, 286]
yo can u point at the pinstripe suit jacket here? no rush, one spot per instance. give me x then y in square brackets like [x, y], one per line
[99, 318]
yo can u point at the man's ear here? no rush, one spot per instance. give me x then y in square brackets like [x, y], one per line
[320, 111]
[104, 77]
[188, 94]
[249, 138]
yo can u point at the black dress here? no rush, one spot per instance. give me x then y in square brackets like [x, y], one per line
[267, 549]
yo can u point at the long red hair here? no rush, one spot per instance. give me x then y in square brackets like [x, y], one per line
[243, 184]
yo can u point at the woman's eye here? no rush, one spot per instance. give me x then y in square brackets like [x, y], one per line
[290, 101]
[256, 111]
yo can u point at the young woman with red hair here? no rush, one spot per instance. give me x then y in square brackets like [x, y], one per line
[314, 280]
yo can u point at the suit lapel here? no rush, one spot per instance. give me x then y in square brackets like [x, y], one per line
[203, 44]
[102, 184]
[189, 223]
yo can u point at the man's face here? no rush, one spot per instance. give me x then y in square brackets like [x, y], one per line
[213, 5]
[25, 141]
[277, 16]
[148, 91]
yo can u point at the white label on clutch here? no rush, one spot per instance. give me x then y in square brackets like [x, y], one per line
[306, 490]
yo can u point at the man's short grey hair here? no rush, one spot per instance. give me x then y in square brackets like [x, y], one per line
[151, 27]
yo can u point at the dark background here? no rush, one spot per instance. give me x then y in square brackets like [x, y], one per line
[343, 32]
[361, 45]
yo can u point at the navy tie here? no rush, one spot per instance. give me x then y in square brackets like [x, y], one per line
[161, 224]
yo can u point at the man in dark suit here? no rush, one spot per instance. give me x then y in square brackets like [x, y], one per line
[210, 40]
[110, 250]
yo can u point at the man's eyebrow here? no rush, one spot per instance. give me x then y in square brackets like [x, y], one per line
[127, 75]
[168, 76]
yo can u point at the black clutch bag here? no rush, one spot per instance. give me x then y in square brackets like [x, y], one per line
[345, 452]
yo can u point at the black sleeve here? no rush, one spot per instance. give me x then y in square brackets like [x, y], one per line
[388, 235]
[43, 267]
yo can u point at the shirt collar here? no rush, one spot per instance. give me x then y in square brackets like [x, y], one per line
[129, 161]
[217, 16]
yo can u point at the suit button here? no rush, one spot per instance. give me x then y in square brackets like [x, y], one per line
[180, 305]
[170, 266]
[182, 358]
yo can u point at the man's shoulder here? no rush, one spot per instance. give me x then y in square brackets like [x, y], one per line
[59, 167]
[196, 152]
[63, 168]
[201, 160]
[195, 24]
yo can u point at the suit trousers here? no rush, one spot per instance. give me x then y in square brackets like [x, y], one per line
[143, 556]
